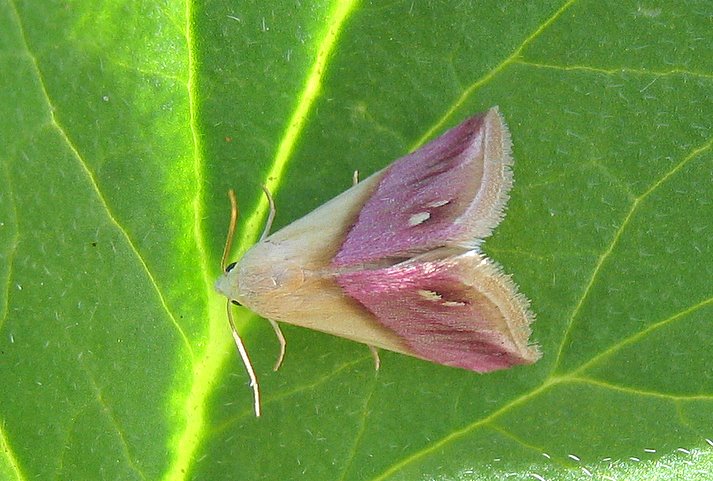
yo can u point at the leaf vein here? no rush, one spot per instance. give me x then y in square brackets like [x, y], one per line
[638, 392]
[188, 439]
[9, 454]
[362, 429]
[641, 334]
[248, 412]
[56, 124]
[537, 449]
[616, 71]
[99, 398]
[549, 382]
[9, 260]
[462, 432]
[297, 122]
[488, 76]
[604, 257]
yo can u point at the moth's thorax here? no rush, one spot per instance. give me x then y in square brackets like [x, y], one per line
[290, 277]
[260, 276]
[282, 263]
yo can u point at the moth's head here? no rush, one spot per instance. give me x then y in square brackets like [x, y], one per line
[227, 284]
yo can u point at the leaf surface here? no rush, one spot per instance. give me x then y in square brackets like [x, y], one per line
[123, 125]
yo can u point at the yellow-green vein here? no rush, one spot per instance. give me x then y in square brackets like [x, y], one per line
[207, 367]
[215, 352]
[640, 335]
[95, 186]
[615, 241]
[362, 428]
[10, 258]
[297, 122]
[104, 406]
[460, 433]
[9, 454]
[636, 392]
[616, 71]
[490, 75]
[271, 399]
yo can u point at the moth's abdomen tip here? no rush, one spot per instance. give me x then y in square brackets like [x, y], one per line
[484, 357]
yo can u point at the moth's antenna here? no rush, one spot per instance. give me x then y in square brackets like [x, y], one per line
[233, 330]
[271, 215]
[231, 228]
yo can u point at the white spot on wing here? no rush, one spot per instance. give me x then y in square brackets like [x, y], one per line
[453, 303]
[419, 218]
[435, 297]
[438, 203]
[429, 295]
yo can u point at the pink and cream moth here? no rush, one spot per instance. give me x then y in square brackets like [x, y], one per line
[394, 262]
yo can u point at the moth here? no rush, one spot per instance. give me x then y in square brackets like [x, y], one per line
[395, 261]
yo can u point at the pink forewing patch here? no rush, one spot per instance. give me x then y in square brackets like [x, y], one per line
[434, 308]
[419, 201]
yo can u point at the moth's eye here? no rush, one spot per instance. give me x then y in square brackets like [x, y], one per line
[235, 302]
[230, 266]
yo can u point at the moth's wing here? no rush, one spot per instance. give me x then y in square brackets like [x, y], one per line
[307, 274]
[451, 191]
[458, 310]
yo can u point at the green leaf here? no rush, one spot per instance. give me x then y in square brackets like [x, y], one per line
[123, 124]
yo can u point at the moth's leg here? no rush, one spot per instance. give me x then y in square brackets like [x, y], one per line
[271, 215]
[283, 343]
[375, 355]
[374, 350]
[246, 362]
[265, 233]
